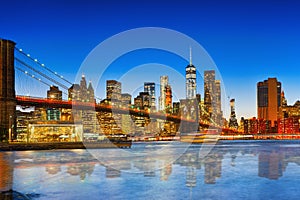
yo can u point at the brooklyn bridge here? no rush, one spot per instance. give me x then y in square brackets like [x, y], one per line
[105, 116]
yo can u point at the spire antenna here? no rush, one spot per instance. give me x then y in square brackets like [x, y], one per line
[190, 55]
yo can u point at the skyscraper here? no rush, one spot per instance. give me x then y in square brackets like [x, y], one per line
[209, 83]
[168, 103]
[83, 89]
[212, 96]
[268, 100]
[79, 92]
[150, 88]
[55, 94]
[209, 80]
[74, 93]
[218, 96]
[190, 76]
[113, 90]
[126, 99]
[162, 99]
[142, 101]
[232, 120]
[90, 93]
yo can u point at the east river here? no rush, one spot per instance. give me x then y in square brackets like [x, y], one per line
[164, 170]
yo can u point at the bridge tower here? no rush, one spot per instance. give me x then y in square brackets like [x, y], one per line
[7, 90]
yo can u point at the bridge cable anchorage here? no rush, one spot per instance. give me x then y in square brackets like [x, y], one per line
[43, 66]
[42, 74]
[34, 77]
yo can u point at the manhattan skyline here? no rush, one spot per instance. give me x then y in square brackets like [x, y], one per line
[248, 41]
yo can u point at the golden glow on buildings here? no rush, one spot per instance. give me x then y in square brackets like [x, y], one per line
[55, 133]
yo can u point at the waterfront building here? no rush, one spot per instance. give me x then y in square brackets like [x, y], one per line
[288, 117]
[23, 120]
[289, 125]
[66, 114]
[268, 100]
[255, 126]
[53, 114]
[54, 132]
[190, 77]
[40, 113]
[169, 128]
[251, 126]
[286, 111]
[150, 88]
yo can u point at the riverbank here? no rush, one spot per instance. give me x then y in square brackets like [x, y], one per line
[62, 145]
[128, 144]
[11, 195]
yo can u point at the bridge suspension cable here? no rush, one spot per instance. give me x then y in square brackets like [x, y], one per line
[34, 77]
[42, 74]
[43, 66]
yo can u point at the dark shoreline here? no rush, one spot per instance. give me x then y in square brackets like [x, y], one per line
[11, 194]
[128, 144]
[62, 145]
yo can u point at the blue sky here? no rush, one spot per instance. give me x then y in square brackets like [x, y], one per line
[248, 40]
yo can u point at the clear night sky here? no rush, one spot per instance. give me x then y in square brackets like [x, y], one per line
[248, 40]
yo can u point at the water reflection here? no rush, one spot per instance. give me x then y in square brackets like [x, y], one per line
[271, 164]
[6, 171]
[271, 161]
[82, 170]
[112, 173]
